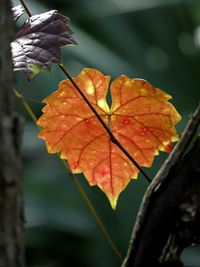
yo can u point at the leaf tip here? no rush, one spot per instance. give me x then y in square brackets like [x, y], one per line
[113, 202]
[17, 11]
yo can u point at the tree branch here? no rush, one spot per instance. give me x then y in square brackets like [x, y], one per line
[161, 222]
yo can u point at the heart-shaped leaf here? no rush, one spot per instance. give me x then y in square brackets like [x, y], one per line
[140, 118]
[37, 44]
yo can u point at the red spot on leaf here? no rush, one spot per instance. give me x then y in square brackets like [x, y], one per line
[104, 172]
[104, 183]
[143, 131]
[75, 165]
[126, 121]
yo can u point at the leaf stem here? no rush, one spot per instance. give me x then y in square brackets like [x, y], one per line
[26, 106]
[78, 185]
[112, 137]
[25, 7]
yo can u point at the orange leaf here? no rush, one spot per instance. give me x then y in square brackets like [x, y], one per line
[140, 118]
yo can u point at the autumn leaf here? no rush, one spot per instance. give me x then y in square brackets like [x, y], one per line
[37, 44]
[140, 118]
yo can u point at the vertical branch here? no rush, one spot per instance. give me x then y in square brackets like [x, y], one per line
[161, 231]
[11, 215]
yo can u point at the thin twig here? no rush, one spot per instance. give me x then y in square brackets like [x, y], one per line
[29, 99]
[25, 8]
[26, 105]
[78, 185]
[92, 209]
[112, 137]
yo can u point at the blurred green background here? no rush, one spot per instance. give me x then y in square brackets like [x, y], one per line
[157, 40]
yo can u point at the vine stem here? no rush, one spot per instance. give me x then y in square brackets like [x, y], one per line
[25, 8]
[112, 137]
[78, 185]
[95, 214]
[26, 105]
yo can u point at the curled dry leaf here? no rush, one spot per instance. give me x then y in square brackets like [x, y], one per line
[18, 11]
[37, 44]
[140, 118]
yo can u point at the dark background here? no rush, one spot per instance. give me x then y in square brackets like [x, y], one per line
[157, 40]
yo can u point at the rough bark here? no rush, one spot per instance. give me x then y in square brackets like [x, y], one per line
[169, 217]
[11, 216]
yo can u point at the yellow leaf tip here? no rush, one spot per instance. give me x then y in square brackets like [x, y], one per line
[113, 202]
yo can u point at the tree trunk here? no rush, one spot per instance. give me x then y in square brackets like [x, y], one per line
[169, 217]
[11, 201]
